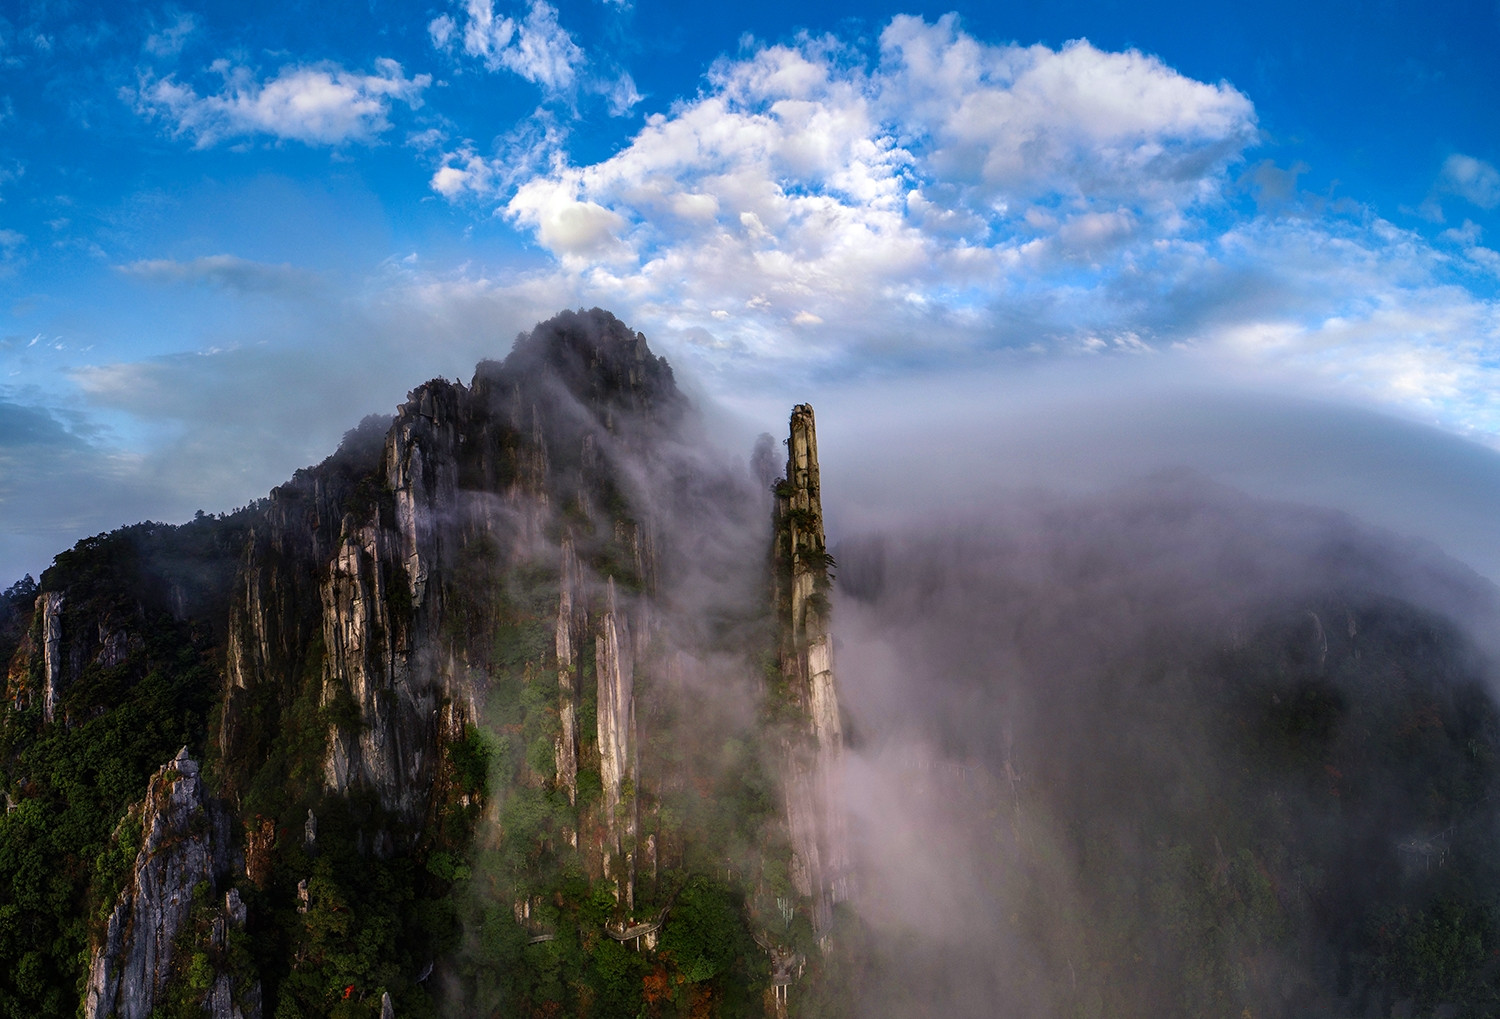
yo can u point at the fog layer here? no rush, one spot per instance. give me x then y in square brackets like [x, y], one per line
[902, 447]
[1162, 749]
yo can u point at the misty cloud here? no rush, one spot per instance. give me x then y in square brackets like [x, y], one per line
[167, 40]
[890, 448]
[219, 428]
[1063, 716]
[59, 483]
[1471, 179]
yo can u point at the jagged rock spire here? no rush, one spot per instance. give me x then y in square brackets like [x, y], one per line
[812, 762]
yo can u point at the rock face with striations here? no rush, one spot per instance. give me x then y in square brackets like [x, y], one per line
[50, 604]
[185, 855]
[385, 588]
[525, 622]
[813, 751]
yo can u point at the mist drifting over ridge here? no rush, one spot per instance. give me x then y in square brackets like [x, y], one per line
[1115, 739]
[1106, 646]
[1129, 740]
[1166, 659]
[1153, 752]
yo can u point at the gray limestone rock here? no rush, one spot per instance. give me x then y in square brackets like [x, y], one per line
[184, 850]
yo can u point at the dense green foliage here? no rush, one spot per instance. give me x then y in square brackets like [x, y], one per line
[559, 959]
[371, 925]
[16, 604]
[72, 781]
[497, 887]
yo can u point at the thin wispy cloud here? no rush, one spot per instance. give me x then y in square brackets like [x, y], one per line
[12, 250]
[227, 271]
[535, 144]
[1471, 179]
[167, 40]
[319, 104]
[535, 47]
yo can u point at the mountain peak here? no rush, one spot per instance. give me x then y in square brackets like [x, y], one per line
[598, 359]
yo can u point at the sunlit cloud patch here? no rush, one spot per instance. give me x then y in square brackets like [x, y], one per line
[819, 206]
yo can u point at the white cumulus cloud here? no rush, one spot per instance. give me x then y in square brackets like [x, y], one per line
[1015, 123]
[942, 200]
[319, 104]
[802, 185]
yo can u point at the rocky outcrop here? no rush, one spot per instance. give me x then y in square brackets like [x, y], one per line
[421, 470]
[367, 666]
[50, 604]
[231, 995]
[275, 621]
[569, 622]
[617, 746]
[386, 579]
[812, 757]
[185, 854]
[802, 515]
[75, 634]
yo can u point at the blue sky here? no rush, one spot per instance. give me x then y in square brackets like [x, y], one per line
[226, 236]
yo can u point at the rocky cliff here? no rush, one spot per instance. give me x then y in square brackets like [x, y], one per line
[174, 918]
[486, 705]
[812, 752]
[523, 703]
[390, 588]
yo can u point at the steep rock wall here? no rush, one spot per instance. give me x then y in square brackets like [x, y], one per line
[186, 850]
[570, 621]
[812, 753]
[389, 584]
[76, 634]
[275, 626]
[618, 769]
[50, 604]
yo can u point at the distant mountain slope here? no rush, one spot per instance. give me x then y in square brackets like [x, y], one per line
[1175, 752]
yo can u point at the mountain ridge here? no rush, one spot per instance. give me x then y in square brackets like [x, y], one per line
[523, 702]
[462, 633]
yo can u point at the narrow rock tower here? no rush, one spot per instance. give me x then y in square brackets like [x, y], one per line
[813, 754]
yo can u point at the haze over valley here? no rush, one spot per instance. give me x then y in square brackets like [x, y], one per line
[599, 509]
